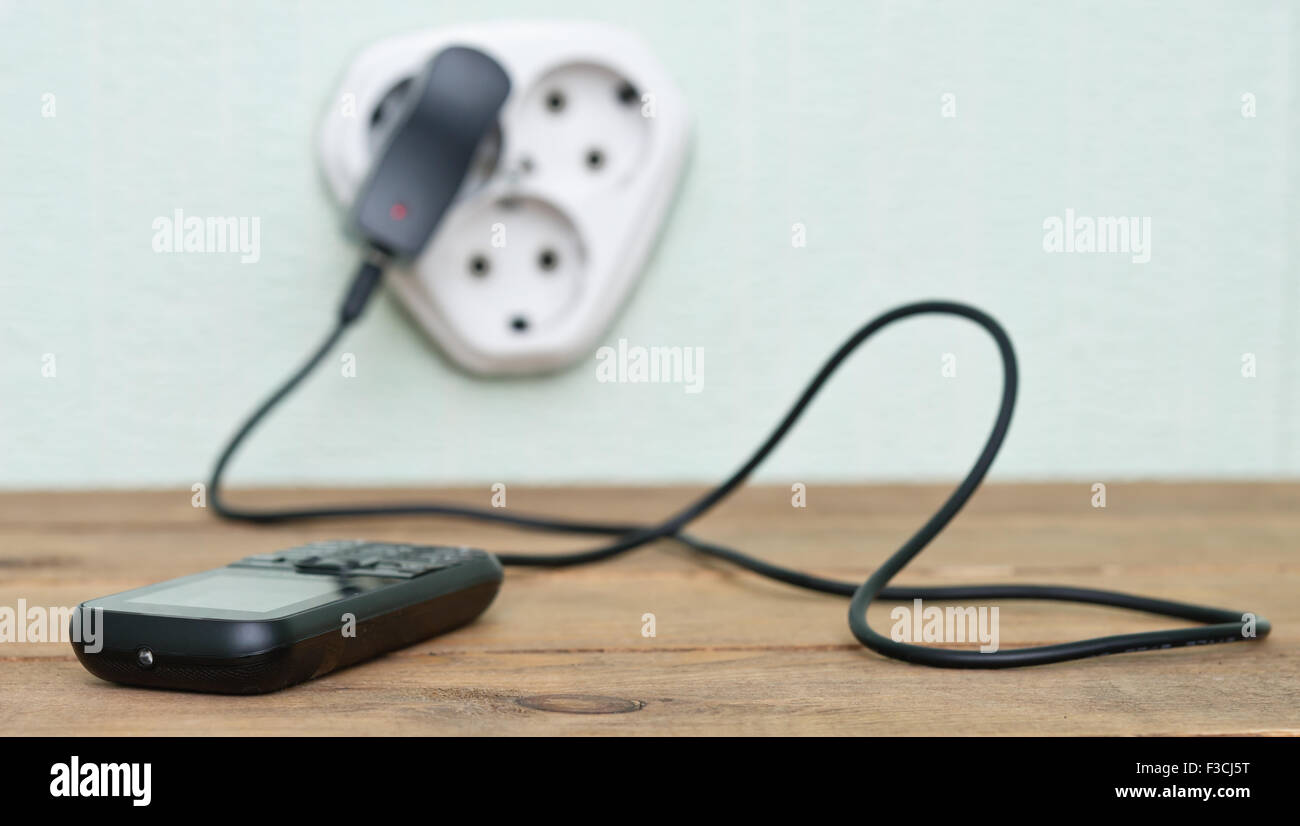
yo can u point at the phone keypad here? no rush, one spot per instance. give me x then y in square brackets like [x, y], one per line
[362, 558]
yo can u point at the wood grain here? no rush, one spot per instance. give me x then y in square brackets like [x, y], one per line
[561, 652]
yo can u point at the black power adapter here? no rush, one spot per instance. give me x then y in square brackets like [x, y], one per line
[420, 168]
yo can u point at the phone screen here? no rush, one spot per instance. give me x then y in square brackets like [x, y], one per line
[241, 593]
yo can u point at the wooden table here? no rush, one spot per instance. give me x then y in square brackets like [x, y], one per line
[562, 652]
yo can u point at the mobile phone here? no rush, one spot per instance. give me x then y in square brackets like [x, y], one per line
[272, 620]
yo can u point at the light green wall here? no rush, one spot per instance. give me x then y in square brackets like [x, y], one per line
[825, 113]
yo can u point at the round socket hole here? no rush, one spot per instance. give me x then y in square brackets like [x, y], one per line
[519, 324]
[384, 116]
[479, 266]
[390, 102]
[547, 259]
[595, 159]
[628, 94]
[555, 101]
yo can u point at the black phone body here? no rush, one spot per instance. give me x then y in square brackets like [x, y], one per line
[273, 620]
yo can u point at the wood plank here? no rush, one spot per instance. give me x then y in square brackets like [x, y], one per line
[734, 653]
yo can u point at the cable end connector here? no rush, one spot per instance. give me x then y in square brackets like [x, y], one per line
[363, 285]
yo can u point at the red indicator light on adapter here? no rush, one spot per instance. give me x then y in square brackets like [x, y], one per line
[397, 211]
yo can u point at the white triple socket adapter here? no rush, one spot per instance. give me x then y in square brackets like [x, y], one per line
[549, 235]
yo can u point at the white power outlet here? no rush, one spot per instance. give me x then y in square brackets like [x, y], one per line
[549, 235]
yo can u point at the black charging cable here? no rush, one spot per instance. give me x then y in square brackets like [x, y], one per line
[1216, 624]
